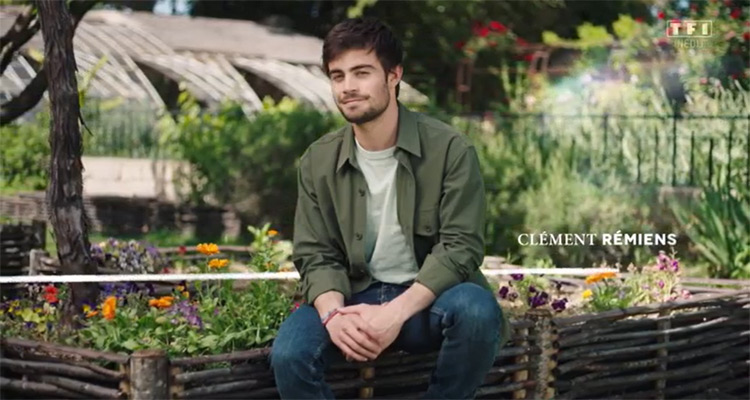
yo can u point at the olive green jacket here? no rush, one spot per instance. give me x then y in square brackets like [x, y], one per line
[441, 209]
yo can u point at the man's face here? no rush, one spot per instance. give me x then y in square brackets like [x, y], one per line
[360, 86]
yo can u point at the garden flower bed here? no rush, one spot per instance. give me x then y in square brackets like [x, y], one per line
[638, 336]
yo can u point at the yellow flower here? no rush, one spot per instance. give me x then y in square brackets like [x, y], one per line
[273, 232]
[218, 263]
[597, 277]
[208, 248]
[587, 293]
[109, 307]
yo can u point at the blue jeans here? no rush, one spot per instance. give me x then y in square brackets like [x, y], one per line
[463, 323]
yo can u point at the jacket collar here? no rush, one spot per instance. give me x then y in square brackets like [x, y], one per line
[407, 137]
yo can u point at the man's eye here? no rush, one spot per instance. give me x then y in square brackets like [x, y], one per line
[362, 73]
[336, 78]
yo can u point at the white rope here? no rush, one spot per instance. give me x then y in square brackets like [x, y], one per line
[252, 276]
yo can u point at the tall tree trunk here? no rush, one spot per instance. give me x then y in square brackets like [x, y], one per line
[65, 189]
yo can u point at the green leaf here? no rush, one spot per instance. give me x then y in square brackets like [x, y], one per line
[130, 344]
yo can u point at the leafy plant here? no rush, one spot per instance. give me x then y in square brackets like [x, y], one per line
[196, 318]
[719, 225]
[654, 283]
[25, 153]
[248, 164]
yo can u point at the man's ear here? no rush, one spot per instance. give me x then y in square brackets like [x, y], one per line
[395, 75]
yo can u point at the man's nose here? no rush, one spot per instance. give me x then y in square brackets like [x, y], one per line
[350, 86]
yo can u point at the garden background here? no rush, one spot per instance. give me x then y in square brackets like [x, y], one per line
[587, 119]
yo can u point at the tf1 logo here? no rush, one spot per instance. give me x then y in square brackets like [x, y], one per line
[689, 28]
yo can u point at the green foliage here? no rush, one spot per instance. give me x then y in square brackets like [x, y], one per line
[247, 164]
[719, 225]
[197, 318]
[25, 154]
[566, 201]
[653, 283]
[220, 320]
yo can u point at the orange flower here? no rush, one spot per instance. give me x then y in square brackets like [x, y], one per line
[162, 302]
[208, 248]
[597, 277]
[109, 307]
[273, 232]
[89, 311]
[218, 263]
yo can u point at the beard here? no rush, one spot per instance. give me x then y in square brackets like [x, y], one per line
[370, 113]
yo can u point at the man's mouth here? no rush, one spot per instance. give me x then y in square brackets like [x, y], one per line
[351, 101]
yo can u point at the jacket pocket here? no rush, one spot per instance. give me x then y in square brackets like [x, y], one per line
[427, 222]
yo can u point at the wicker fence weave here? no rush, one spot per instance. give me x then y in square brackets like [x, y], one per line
[691, 348]
[16, 241]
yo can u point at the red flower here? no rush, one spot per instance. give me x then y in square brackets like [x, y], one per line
[459, 44]
[728, 3]
[660, 15]
[528, 57]
[694, 7]
[734, 76]
[498, 27]
[746, 36]
[639, 20]
[521, 42]
[50, 294]
[736, 13]
[182, 250]
[484, 31]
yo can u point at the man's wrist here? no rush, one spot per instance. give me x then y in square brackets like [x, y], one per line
[411, 302]
[329, 315]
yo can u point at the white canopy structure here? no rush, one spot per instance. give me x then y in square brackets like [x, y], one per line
[138, 56]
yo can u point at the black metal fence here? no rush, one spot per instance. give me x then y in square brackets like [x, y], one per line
[676, 150]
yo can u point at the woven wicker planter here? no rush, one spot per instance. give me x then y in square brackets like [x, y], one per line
[695, 348]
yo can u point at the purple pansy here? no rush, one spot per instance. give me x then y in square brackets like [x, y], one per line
[559, 304]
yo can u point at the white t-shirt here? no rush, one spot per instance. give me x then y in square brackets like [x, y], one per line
[388, 255]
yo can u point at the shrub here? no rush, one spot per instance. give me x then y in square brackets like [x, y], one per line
[25, 154]
[247, 164]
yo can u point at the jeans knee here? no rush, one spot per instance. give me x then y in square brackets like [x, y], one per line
[477, 309]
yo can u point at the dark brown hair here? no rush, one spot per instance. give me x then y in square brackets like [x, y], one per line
[363, 33]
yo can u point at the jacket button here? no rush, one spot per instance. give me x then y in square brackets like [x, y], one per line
[361, 192]
[359, 236]
[428, 228]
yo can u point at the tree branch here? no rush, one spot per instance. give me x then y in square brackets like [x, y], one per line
[33, 92]
[23, 29]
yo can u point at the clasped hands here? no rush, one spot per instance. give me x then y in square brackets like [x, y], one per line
[363, 331]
